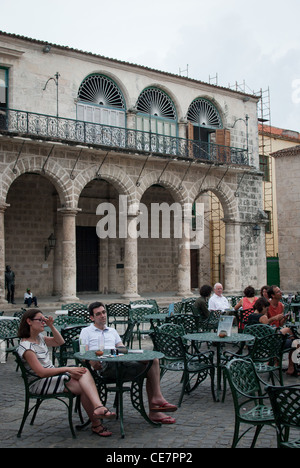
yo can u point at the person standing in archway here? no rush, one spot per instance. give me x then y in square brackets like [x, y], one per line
[10, 284]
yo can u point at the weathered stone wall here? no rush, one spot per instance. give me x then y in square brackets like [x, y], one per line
[287, 164]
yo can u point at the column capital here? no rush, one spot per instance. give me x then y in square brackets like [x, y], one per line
[3, 207]
[69, 211]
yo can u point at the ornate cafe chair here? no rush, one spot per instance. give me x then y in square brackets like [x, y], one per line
[117, 314]
[81, 313]
[65, 352]
[9, 332]
[66, 397]
[259, 330]
[285, 402]
[73, 306]
[248, 398]
[137, 314]
[242, 317]
[190, 323]
[266, 353]
[193, 367]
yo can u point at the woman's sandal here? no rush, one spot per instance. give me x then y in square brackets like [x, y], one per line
[105, 414]
[103, 433]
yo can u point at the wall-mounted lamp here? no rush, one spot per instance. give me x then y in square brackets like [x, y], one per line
[50, 246]
[55, 79]
[256, 230]
[46, 48]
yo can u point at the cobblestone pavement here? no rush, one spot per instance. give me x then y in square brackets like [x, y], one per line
[201, 423]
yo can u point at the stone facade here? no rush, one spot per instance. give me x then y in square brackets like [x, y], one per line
[51, 183]
[287, 165]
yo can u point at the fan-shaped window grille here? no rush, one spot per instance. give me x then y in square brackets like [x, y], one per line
[100, 101]
[99, 89]
[155, 102]
[201, 112]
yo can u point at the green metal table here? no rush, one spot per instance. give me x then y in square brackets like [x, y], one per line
[235, 338]
[136, 388]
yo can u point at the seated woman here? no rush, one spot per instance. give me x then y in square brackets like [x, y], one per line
[33, 349]
[249, 299]
[201, 304]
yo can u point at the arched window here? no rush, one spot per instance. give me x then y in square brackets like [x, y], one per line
[101, 101]
[156, 113]
[203, 113]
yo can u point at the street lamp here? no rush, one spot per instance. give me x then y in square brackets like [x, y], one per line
[55, 79]
[50, 246]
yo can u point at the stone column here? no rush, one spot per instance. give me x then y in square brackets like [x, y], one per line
[69, 255]
[131, 260]
[2, 254]
[184, 259]
[233, 277]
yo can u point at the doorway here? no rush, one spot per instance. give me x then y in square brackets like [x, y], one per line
[87, 258]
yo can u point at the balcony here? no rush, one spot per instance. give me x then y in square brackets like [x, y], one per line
[106, 137]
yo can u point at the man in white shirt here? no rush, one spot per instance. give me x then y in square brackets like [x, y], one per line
[99, 334]
[29, 298]
[218, 301]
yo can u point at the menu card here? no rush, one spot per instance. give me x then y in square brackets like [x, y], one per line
[225, 325]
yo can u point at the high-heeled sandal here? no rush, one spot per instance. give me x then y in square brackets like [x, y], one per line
[105, 414]
[103, 433]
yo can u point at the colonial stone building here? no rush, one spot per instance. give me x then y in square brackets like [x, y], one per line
[287, 166]
[80, 133]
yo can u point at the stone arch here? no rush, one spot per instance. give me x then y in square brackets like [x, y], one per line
[109, 172]
[168, 180]
[222, 191]
[53, 171]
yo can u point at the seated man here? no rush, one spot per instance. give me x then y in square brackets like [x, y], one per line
[218, 301]
[97, 331]
[29, 298]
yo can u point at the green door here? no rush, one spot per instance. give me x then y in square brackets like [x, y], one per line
[273, 271]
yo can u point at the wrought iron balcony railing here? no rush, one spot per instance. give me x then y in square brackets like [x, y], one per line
[33, 125]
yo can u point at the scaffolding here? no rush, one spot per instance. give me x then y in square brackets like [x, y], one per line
[266, 164]
[217, 229]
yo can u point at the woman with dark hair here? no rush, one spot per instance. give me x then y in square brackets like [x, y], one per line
[264, 292]
[201, 304]
[260, 312]
[249, 299]
[33, 350]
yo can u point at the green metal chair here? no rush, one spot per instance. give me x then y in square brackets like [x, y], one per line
[187, 305]
[126, 337]
[80, 313]
[19, 314]
[117, 314]
[73, 306]
[67, 320]
[138, 315]
[259, 330]
[266, 353]
[65, 397]
[285, 402]
[193, 367]
[248, 398]
[65, 351]
[209, 323]
[9, 332]
[242, 317]
[190, 323]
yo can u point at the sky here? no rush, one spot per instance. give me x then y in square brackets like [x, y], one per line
[254, 45]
